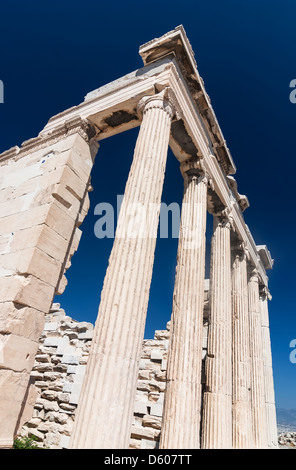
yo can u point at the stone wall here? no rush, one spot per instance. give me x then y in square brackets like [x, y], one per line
[58, 372]
[287, 440]
[150, 392]
[43, 201]
[57, 375]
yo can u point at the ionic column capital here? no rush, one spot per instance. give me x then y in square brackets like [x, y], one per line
[240, 250]
[264, 292]
[254, 275]
[224, 219]
[191, 170]
[160, 100]
[194, 169]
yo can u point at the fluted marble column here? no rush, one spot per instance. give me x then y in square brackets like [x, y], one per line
[181, 418]
[257, 367]
[241, 398]
[105, 410]
[272, 439]
[217, 404]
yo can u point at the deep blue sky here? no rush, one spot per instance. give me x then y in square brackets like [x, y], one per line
[53, 53]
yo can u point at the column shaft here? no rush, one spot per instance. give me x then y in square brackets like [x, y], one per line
[241, 409]
[217, 404]
[105, 411]
[257, 367]
[181, 419]
[268, 375]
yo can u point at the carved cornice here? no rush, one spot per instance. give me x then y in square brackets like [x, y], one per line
[176, 44]
[76, 125]
[166, 44]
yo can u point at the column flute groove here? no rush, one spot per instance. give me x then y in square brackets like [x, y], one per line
[257, 365]
[242, 417]
[268, 373]
[217, 399]
[181, 418]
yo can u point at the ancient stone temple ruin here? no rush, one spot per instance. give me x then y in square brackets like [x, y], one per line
[206, 381]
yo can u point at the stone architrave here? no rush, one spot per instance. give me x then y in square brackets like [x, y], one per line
[241, 408]
[217, 399]
[257, 366]
[268, 373]
[105, 411]
[182, 407]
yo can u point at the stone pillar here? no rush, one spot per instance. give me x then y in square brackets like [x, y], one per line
[268, 373]
[257, 367]
[217, 404]
[241, 409]
[181, 419]
[105, 411]
[43, 200]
